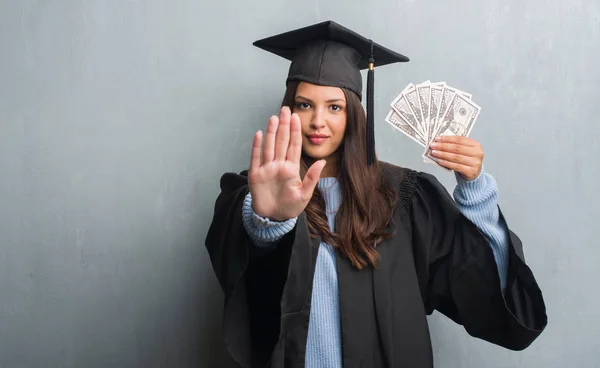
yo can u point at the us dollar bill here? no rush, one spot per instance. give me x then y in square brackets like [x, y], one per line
[424, 95]
[458, 120]
[401, 107]
[447, 95]
[434, 107]
[402, 125]
[412, 99]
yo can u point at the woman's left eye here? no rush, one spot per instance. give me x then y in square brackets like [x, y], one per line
[336, 107]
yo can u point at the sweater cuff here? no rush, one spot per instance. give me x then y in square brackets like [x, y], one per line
[476, 191]
[261, 229]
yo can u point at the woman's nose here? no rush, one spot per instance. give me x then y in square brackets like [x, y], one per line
[318, 119]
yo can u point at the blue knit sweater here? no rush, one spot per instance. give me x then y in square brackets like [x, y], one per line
[477, 200]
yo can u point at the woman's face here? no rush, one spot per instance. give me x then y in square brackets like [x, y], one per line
[322, 111]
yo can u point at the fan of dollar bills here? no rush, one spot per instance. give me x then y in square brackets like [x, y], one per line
[427, 110]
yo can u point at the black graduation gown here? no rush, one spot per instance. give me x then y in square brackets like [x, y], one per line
[437, 260]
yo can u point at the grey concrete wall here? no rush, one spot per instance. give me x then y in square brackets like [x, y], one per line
[117, 119]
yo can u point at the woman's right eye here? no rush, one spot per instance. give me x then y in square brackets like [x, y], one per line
[302, 105]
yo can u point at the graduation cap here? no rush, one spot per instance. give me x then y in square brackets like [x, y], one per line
[329, 54]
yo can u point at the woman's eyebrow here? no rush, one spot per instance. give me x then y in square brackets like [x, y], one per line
[303, 98]
[328, 101]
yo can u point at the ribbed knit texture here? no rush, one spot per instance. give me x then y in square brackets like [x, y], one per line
[262, 231]
[477, 200]
[324, 344]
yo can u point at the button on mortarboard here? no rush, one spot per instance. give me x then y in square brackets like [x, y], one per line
[329, 54]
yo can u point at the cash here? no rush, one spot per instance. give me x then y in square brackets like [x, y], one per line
[427, 110]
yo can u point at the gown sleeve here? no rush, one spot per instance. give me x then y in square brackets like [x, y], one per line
[252, 278]
[461, 275]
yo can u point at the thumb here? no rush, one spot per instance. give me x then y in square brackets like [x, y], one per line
[312, 178]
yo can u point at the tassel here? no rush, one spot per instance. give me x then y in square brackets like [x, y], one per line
[370, 110]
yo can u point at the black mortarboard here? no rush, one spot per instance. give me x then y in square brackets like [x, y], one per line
[331, 55]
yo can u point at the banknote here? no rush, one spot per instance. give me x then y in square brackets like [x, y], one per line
[447, 95]
[401, 107]
[429, 109]
[399, 123]
[458, 119]
[424, 94]
[412, 98]
[434, 107]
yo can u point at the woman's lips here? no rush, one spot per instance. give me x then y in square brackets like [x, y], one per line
[317, 138]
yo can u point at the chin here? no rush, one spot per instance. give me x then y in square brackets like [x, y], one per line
[318, 154]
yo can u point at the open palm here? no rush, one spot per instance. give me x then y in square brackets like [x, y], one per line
[278, 191]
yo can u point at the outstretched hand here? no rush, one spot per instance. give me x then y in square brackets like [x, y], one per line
[461, 154]
[278, 191]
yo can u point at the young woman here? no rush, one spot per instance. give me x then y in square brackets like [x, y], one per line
[331, 258]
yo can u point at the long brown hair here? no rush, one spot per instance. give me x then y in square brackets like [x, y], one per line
[367, 200]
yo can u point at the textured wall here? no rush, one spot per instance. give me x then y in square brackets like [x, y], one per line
[118, 118]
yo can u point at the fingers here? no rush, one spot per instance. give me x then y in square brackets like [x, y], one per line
[464, 170]
[295, 148]
[461, 154]
[467, 172]
[456, 139]
[455, 158]
[269, 147]
[282, 139]
[458, 146]
[311, 179]
[450, 147]
[256, 147]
